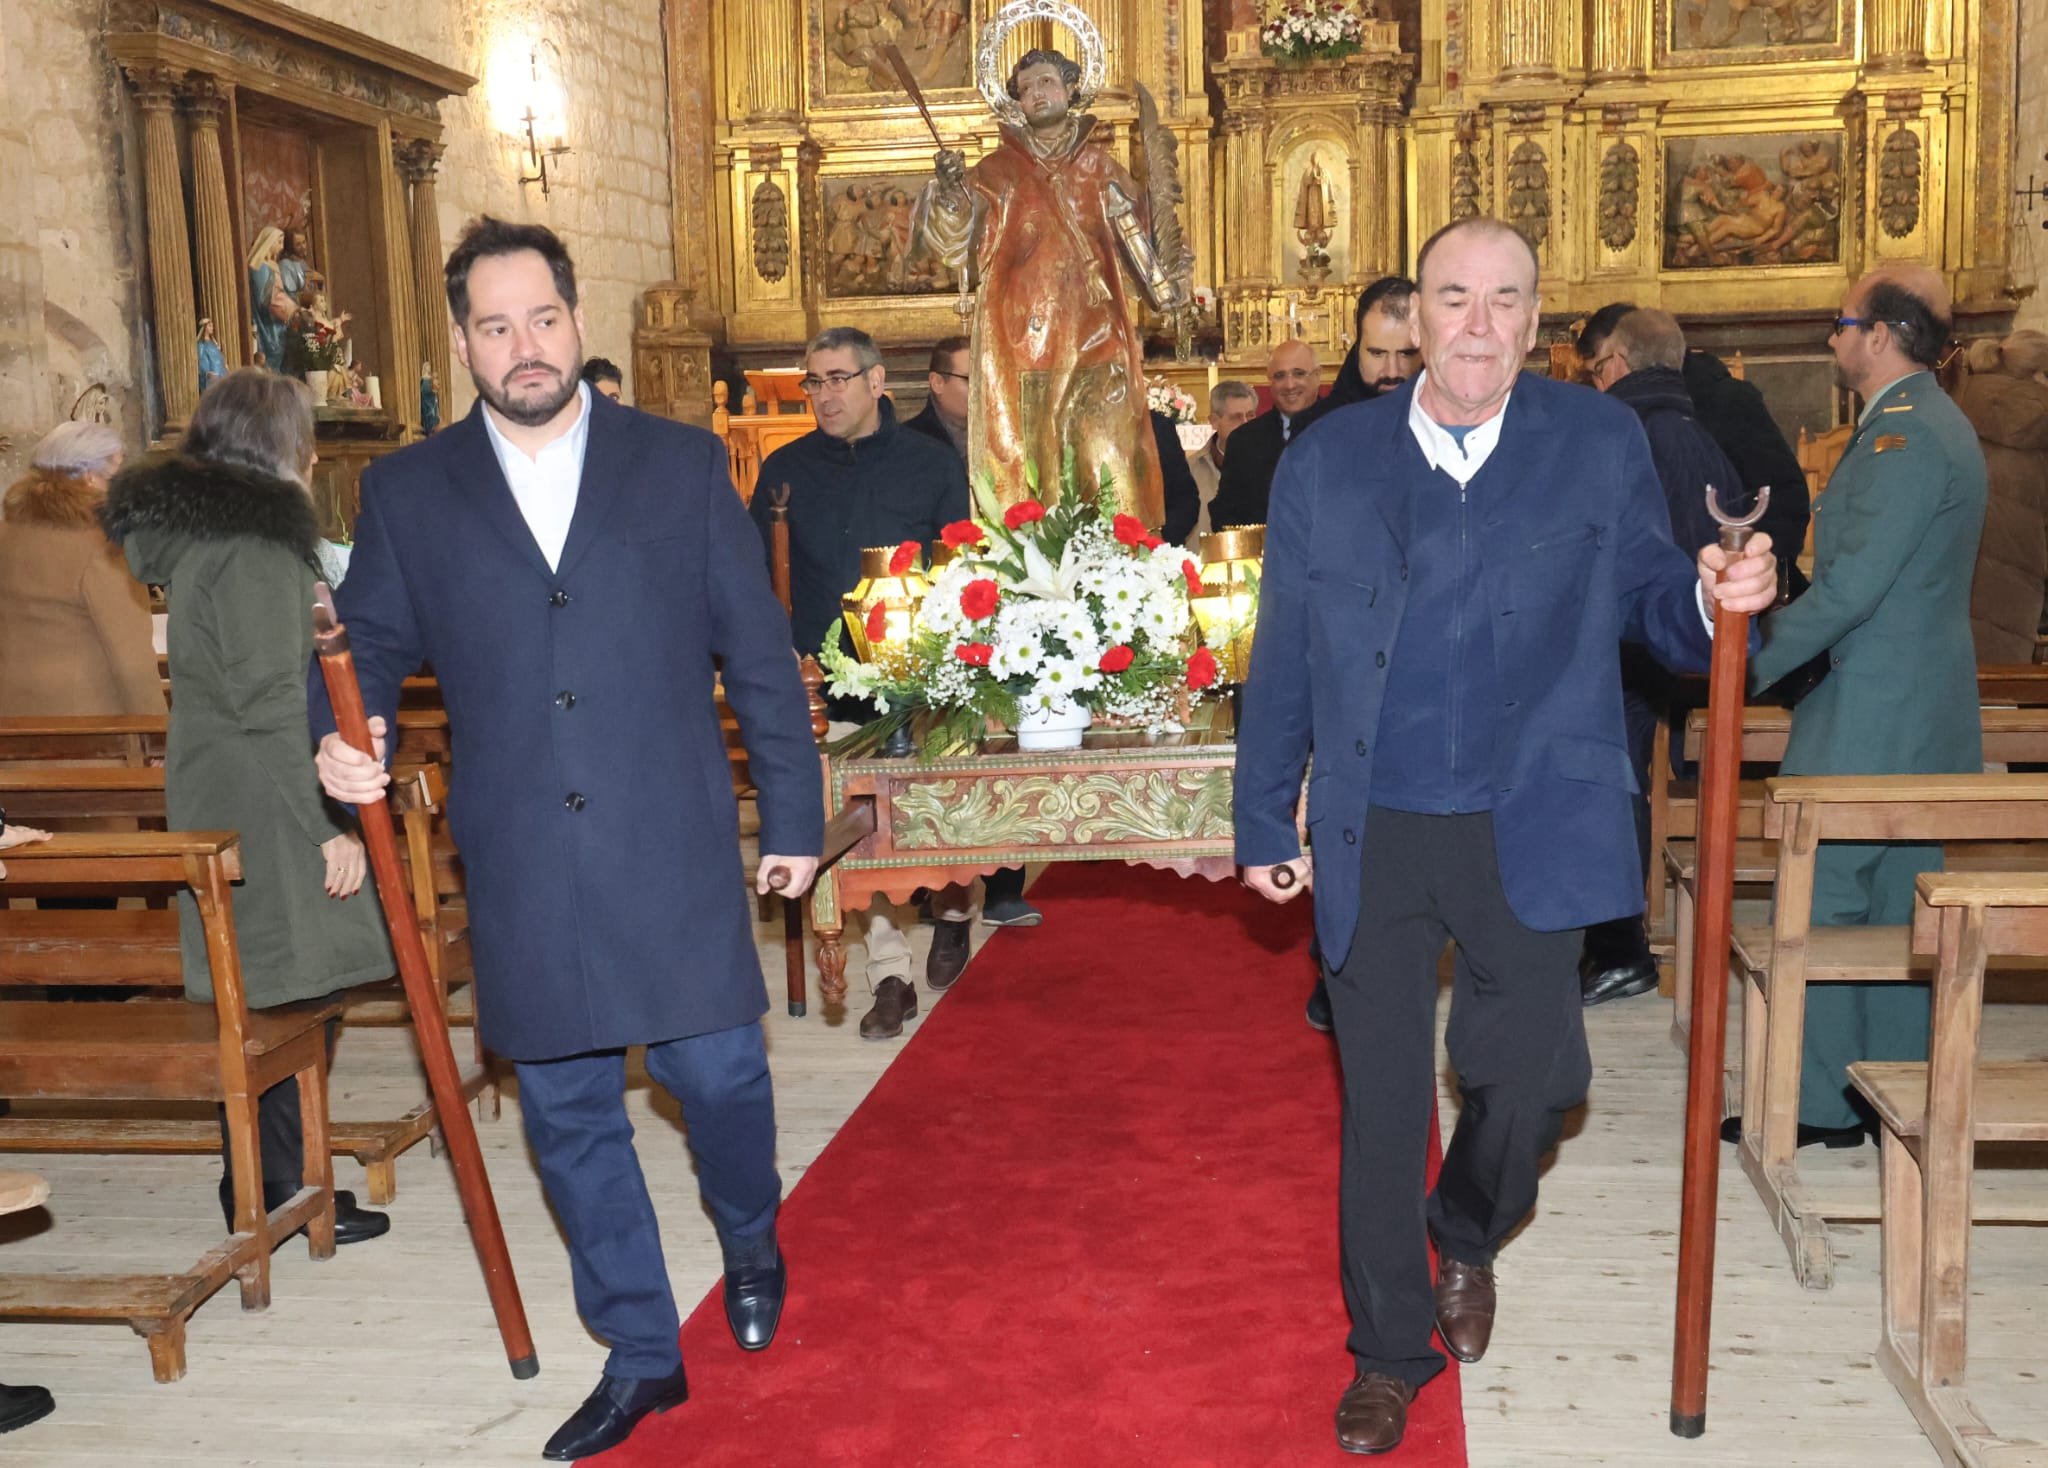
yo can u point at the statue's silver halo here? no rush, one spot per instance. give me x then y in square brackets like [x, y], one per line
[988, 53]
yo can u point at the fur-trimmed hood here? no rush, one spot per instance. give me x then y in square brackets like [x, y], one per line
[159, 506]
[59, 501]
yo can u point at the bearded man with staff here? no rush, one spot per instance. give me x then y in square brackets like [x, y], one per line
[1050, 224]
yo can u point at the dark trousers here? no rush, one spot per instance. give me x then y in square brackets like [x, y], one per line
[1516, 1040]
[1001, 883]
[279, 1137]
[575, 1113]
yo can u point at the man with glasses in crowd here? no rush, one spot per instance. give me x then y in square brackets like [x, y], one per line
[1894, 551]
[860, 480]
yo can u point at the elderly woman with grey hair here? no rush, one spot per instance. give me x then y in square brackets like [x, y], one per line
[74, 625]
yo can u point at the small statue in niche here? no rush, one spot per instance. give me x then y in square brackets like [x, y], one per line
[1315, 217]
[213, 363]
[294, 261]
[430, 401]
[271, 306]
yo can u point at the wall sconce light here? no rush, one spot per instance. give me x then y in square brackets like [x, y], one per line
[543, 114]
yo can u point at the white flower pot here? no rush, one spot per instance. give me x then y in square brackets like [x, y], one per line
[316, 384]
[1056, 728]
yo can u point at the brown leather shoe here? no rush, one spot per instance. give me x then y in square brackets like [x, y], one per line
[895, 1002]
[1373, 1413]
[1464, 1307]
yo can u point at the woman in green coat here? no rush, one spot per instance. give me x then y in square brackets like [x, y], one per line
[226, 526]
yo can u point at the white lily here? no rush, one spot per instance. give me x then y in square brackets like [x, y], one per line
[1043, 581]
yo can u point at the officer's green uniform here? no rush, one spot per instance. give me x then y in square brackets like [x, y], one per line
[1894, 548]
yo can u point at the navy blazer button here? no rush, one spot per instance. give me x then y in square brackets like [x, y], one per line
[574, 800]
[1350, 838]
[559, 599]
[1361, 747]
[1379, 660]
[565, 699]
[1404, 573]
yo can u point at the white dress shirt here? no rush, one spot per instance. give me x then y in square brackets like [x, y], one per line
[1462, 461]
[545, 485]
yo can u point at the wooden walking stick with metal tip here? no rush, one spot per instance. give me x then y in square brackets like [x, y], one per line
[1713, 913]
[338, 668]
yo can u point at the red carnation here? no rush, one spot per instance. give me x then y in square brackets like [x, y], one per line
[1153, 542]
[1130, 530]
[1023, 513]
[961, 534]
[1194, 574]
[979, 599]
[1116, 659]
[905, 557]
[974, 654]
[878, 621]
[1201, 668]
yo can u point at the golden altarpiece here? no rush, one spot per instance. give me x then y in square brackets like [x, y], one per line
[1734, 163]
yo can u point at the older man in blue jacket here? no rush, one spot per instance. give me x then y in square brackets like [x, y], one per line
[1449, 569]
[576, 572]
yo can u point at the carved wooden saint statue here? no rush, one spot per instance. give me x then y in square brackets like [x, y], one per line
[1053, 225]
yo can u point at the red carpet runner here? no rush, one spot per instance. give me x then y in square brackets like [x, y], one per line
[1089, 1218]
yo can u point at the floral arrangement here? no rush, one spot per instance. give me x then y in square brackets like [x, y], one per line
[1041, 608]
[313, 346]
[1313, 30]
[1162, 396]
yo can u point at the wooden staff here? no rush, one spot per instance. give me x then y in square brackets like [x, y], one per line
[338, 667]
[1713, 911]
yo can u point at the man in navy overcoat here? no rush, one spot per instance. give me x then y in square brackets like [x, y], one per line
[1449, 569]
[577, 573]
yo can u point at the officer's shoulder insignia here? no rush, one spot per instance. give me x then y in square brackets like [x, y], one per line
[1887, 441]
[1897, 408]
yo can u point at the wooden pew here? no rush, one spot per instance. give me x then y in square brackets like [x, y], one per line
[1934, 1117]
[1781, 959]
[170, 1051]
[141, 948]
[114, 739]
[2011, 736]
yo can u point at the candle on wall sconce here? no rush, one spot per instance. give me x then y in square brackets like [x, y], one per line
[542, 113]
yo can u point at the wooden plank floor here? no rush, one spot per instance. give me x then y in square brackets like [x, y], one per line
[386, 1355]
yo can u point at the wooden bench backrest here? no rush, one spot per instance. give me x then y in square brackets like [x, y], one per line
[2011, 735]
[2015, 908]
[125, 739]
[1909, 807]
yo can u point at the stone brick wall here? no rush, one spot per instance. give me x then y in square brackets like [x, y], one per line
[2030, 240]
[72, 307]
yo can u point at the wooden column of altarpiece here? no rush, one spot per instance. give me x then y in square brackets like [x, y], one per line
[209, 55]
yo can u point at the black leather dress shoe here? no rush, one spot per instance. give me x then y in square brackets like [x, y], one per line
[948, 957]
[753, 1302]
[1834, 1137]
[1317, 1012]
[895, 1002]
[609, 1414]
[21, 1405]
[1617, 981]
[352, 1225]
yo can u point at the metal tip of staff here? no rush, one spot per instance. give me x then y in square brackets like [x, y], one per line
[1688, 1424]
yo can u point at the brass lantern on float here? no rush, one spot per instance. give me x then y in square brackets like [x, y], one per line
[886, 601]
[1228, 608]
